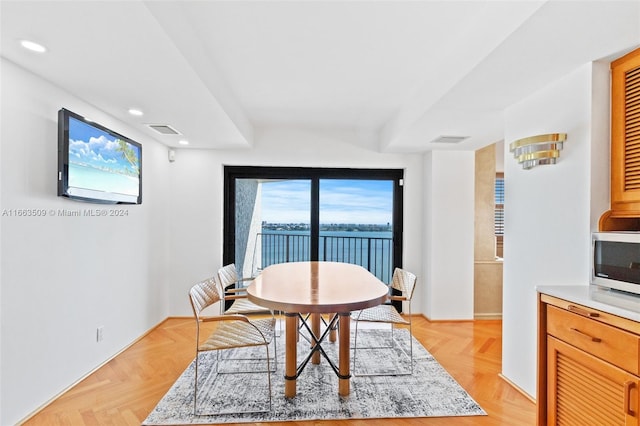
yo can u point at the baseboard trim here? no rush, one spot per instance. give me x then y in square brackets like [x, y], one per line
[68, 388]
[459, 320]
[488, 316]
[517, 388]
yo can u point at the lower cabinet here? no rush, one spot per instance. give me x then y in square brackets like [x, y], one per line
[584, 390]
[588, 366]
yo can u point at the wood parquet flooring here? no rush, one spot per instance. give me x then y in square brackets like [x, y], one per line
[127, 388]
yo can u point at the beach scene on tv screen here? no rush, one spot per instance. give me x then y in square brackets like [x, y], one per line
[101, 162]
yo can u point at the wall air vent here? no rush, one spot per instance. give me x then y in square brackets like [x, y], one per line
[449, 139]
[165, 129]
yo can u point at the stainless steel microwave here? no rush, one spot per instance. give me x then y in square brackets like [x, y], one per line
[615, 260]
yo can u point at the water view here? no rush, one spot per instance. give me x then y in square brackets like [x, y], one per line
[367, 245]
[354, 218]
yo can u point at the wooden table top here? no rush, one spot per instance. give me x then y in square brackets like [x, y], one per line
[317, 287]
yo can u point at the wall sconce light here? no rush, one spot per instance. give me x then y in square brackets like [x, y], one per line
[536, 150]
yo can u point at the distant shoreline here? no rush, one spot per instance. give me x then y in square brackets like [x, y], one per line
[342, 227]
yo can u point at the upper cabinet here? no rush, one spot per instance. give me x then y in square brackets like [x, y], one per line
[625, 145]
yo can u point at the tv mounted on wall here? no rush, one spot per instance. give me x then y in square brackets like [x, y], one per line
[96, 164]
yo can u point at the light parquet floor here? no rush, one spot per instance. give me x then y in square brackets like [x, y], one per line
[127, 388]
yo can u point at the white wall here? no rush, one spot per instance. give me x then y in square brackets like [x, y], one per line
[448, 240]
[196, 206]
[551, 210]
[62, 277]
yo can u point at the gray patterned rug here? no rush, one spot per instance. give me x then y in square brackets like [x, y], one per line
[429, 392]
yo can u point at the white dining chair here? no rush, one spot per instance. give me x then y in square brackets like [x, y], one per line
[404, 282]
[230, 332]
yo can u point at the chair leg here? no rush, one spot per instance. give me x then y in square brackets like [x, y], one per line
[269, 374]
[355, 348]
[393, 337]
[275, 355]
[269, 386]
[411, 346]
[195, 388]
[393, 342]
[393, 345]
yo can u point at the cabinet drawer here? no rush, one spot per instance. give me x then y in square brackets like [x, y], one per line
[606, 342]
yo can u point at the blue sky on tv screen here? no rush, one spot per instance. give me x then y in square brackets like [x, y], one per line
[341, 201]
[90, 146]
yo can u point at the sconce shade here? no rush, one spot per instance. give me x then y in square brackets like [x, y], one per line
[537, 150]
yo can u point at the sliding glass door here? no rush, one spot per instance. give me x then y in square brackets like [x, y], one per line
[276, 215]
[356, 223]
[285, 219]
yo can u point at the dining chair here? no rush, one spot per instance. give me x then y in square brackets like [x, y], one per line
[231, 332]
[404, 282]
[235, 291]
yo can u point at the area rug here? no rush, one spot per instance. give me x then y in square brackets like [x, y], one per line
[429, 392]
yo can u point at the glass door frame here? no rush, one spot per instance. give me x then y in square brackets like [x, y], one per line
[231, 173]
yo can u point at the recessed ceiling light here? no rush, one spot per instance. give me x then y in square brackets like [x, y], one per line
[136, 112]
[183, 142]
[33, 46]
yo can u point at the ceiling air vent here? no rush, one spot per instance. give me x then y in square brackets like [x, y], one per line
[449, 139]
[165, 129]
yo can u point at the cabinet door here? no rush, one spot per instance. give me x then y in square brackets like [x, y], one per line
[625, 133]
[584, 390]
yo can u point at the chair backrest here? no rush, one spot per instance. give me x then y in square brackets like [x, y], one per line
[204, 294]
[404, 281]
[228, 275]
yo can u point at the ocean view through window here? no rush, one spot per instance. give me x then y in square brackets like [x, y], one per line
[367, 245]
[276, 215]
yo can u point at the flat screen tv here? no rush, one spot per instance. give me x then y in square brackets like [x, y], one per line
[96, 164]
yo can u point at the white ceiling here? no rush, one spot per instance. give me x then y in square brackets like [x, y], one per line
[398, 73]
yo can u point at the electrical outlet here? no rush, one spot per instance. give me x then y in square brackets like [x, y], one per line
[100, 334]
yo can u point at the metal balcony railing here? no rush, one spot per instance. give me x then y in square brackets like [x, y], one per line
[373, 253]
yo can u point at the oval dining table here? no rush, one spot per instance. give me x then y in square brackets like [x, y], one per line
[317, 288]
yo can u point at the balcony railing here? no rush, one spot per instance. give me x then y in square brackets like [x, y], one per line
[373, 253]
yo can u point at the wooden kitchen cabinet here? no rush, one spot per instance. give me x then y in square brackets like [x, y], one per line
[625, 145]
[588, 366]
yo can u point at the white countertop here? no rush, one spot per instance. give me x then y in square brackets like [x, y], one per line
[611, 301]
